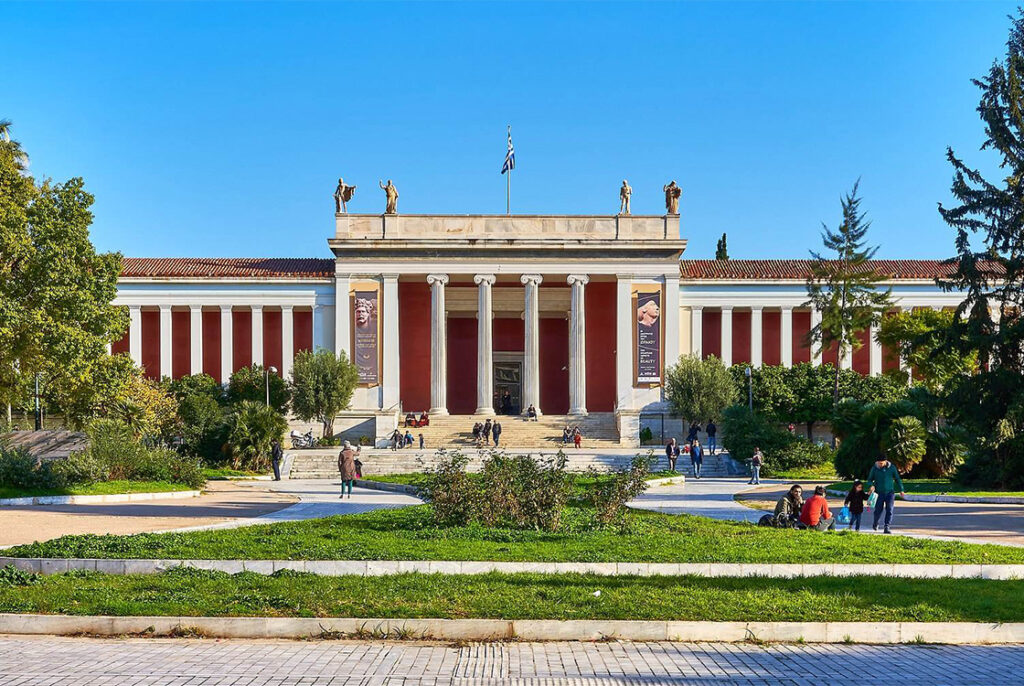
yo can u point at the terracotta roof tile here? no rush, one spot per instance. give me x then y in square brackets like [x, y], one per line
[228, 267]
[801, 269]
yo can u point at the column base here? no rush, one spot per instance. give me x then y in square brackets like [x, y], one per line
[485, 411]
[438, 411]
[578, 411]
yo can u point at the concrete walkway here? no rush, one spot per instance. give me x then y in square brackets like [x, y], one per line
[705, 497]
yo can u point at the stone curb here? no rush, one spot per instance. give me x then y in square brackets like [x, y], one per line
[87, 499]
[527, 630]
[667, 481]
[981, 499]
[55, 565]
[387, 486]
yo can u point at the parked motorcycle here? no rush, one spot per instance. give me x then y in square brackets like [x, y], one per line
[306, 440]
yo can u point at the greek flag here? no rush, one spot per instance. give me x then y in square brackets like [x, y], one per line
[510, 156]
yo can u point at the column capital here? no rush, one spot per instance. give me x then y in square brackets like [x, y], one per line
[787, 308]
[255, 308]
[287, 308]
[527, 279]
[481, 279]
[164, 307]
[726, 308]
[756, 308]
[437, 278]
[194, 308]
[581, 279]
[225, 308]
[696, 308]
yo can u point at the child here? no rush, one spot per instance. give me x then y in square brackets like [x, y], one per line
[855, 500]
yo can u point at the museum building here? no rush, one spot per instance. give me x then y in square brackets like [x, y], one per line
[485, 314]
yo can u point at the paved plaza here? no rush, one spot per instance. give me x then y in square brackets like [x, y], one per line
[171, 662]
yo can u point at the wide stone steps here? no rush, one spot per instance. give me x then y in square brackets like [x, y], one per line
[599, 431]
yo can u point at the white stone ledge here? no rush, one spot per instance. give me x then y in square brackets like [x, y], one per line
[527, 629]
[92, 499]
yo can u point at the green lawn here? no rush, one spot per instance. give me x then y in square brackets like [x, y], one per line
[98, 488]
[420, 478]
[409, 534]
[819, 473]
[934, 487]
[225, 473]
[519, 596]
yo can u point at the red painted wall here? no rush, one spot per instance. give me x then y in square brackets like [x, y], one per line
[462, 343]
[151, 343]
[121, 346]
[554, 366]
[890, 356]
[414, 345]
[181, 343]
[241, 339]
[711, 333]
[509, 335]
[302, 331]
[862, 356]
[830, 355]
[740, 337]
[271, 340]
[211, 345]
[599, 302]
[801, 325]
[771, 337]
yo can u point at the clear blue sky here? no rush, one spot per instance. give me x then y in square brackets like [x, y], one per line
[220, 129]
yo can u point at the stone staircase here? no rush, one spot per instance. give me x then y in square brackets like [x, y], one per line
[456, 431]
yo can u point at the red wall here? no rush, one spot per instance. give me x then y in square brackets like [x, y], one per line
[181, 343]
[509, 335]
[241, 339]
[711, 333]
[801, 325]
[461, 365]
[771, 337]
[271, 340]
[554, 365]
[413, 345]
[890, 356]
[599, 302]
[151, 343]
[121, 346]
[830, 355]
[740, 337]
[862, 356]
[302, 323]
[211, 345]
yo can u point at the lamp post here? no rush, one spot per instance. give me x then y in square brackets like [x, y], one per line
[266, 380]
[750, 389]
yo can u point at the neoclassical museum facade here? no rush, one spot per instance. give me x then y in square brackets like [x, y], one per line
[472, 314]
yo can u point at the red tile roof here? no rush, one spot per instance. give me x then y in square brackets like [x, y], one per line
[228, 267]
[801, 269]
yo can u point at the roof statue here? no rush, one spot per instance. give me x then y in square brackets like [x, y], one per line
[672, 193]
[342, 195]
[624, 192]
[392, 196]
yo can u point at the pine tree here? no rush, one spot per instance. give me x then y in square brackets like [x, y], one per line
[721, 250]
[845, 288]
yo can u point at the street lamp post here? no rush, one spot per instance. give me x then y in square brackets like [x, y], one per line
[266, 380]
[750, 389]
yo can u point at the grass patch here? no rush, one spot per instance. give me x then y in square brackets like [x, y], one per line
[410, 534]
[934, 487]
[520, 596]
[225, 473]
[98, 488]
[819, 473]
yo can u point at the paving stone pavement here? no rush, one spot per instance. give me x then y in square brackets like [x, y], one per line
[179, 662]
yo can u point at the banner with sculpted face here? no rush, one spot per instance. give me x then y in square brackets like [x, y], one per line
[648, 336]
[366, 336]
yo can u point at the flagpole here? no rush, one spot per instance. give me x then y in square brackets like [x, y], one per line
[508, 192]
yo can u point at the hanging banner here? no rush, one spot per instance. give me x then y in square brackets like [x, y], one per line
[648, 336]
[366, 336]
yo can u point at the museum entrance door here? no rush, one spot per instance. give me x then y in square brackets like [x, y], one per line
[508, 378]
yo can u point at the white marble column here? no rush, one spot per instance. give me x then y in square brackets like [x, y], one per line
[135, 334]
[166, 341]
[697, 331]
[287, 340]
[531, 356]
[786, 336]
[577, 344]
[256, 312]
[317, 315]
[625, 319]
[196, 335]
[390, 387]
[815, 347]
[726, 336]
[670, 316]
[342, 317]
[756, 337]
[227, 355]
[874, 352]
[484, 344]
[438, 345]
[846, 360]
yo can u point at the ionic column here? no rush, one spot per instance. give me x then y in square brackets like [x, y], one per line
[625, 323]
[317, 315]
[135, 334]
[531, 362]
[727, 336]
[577, 345]
[846, 359]
[287, 341]
[438, 345]
[904, 365]
[166, 341]
[196, 334]
[484, 344]
[342, 314]
[257, 334]
[697, 331]
[815, 347]
[670, 315]
[786, 336]
[227, 356]
[390, 325]
[874, 352]
[755, 337]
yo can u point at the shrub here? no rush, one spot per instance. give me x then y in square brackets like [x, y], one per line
[904, 443]
[743, 430]
[453, 495]
[609, 496]
[250, 384]
[523, 493]
[204, 427]
[19, 469]
[800, 454]
[252, 428]
[195, 385]
[698, 389]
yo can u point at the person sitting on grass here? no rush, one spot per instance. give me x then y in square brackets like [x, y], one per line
[815, 514]
[787, 510]
[855, 500]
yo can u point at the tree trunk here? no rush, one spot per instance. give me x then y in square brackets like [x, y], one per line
[810, 431]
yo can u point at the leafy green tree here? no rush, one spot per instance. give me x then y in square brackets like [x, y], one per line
[919, 336]
[249, 384]
[252, 428]
[721, 249]
[845, 288]
[203, 427]
[698, 389]
[196, 384]
[322, 386]
[812, 387]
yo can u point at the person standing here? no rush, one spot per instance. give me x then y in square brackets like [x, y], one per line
[696, 458]
[883, 479]
[755, 466]
[672, 453]
[496, 432]
[347, 468]
[487, 432]
[577, 437]
[421, 441]
[815, 514]
[712, 431]
[691, 435]
[275, 458]
[855, 500]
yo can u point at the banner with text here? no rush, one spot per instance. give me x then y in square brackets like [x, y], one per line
[648, 336]
[366, 335]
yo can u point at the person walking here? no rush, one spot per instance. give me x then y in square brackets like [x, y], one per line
[421, 441]
[755, 466]
[883, 479]
[672, 453]
[487, 432]
[815, 513]
[691, 435]
[712, 431]
[696, 458]
[275, 458]
[496, 432]
[347, 467]
[855, 500]
[577, 437]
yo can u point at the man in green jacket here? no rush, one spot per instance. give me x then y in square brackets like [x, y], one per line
[883, 479]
